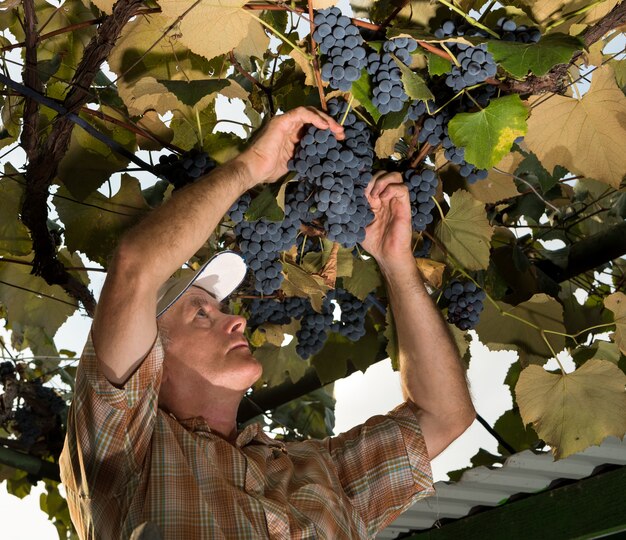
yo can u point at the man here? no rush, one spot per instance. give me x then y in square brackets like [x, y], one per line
[152, 433]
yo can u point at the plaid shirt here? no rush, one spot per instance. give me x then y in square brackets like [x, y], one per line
[126, 462]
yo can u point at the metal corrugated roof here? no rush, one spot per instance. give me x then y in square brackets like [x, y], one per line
[524, 472]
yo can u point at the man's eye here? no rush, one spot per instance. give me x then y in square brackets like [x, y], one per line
[201, 313]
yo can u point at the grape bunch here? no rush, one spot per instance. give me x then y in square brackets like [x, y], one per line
[422, 251]
[261, 242]
[353, 311]
[510, 31]
[388, 90]
[422, 188]
[267, 310]
[343, 47]
[465, 303]
[314, 328]
[335, 174]
[476, 65]
[237, 211]
[184, 169]
[456, 155]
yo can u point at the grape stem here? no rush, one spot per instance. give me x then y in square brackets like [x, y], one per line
[314, 60]
[345, 115]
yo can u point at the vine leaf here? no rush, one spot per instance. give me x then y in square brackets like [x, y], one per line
[617, 304]
[331, 363]
[437, 65]
[364, 279]
[386, 143]
[541, 310]
[582, 135]
[169, 59]
[465, 231]
[227, 15]
[94, 228]
[432, 271]
[498, 186]
[264, 205]
[33, 318]
[573, 411]
[488, 135]
[619, 68]
[392, 341]
[14, 236]
[361, 90]
[300, 283]
[279, 363]
[414, 86]
[520, 58]
[88, 162]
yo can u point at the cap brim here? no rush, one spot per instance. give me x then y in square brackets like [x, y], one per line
[219, 276]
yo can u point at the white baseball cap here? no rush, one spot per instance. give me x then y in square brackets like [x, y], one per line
[219, 276]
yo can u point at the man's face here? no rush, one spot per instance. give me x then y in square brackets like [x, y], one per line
[205, 340]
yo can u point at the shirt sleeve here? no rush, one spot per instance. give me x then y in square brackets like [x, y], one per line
[109, 428]
[383, 465]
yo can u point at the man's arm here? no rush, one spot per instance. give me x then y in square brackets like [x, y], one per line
[430, 368]
[124, 326]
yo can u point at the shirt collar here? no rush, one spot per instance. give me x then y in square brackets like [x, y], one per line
[251, 433]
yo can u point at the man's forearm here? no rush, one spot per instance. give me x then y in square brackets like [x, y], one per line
[172, 233]
[431, 371]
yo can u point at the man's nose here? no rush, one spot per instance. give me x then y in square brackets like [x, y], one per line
[236, 323]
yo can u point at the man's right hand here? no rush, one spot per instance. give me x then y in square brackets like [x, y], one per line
[267, 157]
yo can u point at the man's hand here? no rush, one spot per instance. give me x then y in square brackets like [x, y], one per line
[388, 236]
[266, 158]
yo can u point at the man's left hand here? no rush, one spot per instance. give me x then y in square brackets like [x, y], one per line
[388, 236]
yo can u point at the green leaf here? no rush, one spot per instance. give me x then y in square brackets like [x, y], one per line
[488, 135]
[465, 231]
[94, 227]
[520, 58]
[362, 90]
[14, 236]
[510, 327]
[264, 205]
[191, 92]
[90, 162]
[281, 362]
[392, 341]
[331, 363]
[437, 65]
[414, 85]
[533, 171]
[364, 279]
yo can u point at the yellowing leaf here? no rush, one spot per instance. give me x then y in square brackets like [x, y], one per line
[323, 4]
[617, 304]
[465, 231]
[297, 282]
[386, 143]
[584, 136]
[169, 59]
[487, 135]
[229, 24]
[498, 186]
[432, 271]
[574, 411]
